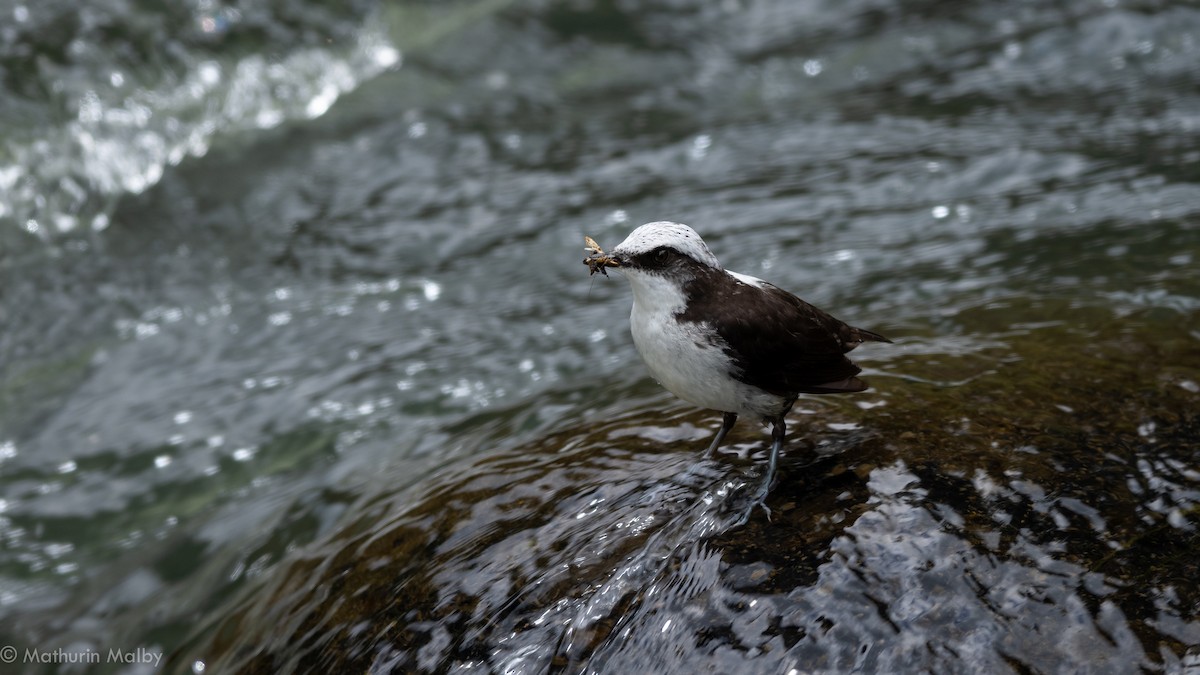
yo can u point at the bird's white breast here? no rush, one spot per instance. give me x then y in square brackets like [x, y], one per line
[688, 357]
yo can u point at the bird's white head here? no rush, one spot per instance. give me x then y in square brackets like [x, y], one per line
[662, 247]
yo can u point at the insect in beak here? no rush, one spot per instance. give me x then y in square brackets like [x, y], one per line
[597, 259]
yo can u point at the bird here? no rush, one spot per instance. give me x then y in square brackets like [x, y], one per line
[726, 341]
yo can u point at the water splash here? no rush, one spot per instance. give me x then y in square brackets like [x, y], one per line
[116, 137]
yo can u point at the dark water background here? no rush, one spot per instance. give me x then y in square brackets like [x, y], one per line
[300, 370]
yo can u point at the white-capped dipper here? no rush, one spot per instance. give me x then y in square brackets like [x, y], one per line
[727, 341]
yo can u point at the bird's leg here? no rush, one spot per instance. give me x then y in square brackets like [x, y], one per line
[727, 423]
[778, 431]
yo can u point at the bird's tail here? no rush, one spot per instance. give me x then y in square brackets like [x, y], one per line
[863, 335]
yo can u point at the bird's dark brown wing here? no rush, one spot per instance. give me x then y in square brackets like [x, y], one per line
[778, 342]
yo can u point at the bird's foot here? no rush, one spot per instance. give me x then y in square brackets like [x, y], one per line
[758, 501]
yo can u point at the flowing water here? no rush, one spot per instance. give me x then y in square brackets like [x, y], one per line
[300, 370]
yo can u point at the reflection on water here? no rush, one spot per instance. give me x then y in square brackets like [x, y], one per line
[299, 362]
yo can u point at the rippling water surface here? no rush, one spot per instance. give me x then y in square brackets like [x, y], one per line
[300, 370]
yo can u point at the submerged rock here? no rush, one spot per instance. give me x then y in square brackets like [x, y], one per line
[1034, 509]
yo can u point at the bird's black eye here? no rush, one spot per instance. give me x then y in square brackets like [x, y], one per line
[661, 256]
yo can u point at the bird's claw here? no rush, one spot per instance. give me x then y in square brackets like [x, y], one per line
[766, 509]
[759, 501]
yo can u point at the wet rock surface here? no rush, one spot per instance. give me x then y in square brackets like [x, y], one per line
[927, 525]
